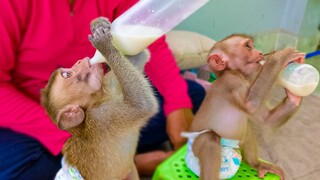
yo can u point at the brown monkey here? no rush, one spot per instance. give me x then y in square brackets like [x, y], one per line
[239, 93]
[104, 123]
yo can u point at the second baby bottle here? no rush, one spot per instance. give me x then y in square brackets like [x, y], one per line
[299, 79]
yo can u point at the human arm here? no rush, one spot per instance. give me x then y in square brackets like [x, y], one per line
[178, 121]
[18, 111]
[164, 73]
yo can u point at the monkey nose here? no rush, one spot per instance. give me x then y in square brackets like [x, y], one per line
[82, 76]
[81, 64]
[77, 64]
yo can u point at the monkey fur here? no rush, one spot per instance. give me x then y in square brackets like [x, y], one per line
[103, 114]
[236, 100]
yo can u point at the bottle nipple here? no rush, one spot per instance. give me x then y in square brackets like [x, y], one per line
[97, 58]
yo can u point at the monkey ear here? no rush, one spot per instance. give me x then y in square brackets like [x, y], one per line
[216, 62]
[70, 116]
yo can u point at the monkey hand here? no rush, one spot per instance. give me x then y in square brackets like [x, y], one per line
[288, 55]
[177, 122]
[296, 100]
[101, 37]
[264, 168]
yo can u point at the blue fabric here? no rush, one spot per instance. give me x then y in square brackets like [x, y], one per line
[154, 133]
[312, 54]
[22, 157]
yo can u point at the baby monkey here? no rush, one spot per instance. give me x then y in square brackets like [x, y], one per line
[104, 120]
[221, 133]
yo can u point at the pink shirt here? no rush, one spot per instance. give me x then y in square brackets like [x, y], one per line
[38, 36]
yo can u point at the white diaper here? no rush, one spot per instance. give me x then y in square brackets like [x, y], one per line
[230, 160]
[67, 172]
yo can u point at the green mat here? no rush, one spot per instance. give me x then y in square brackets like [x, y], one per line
[175, 168]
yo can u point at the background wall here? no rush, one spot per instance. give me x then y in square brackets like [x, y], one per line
[276, 23]
[309, 36]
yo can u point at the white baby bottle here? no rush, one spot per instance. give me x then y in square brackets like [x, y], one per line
[299, 79]
[147, 20]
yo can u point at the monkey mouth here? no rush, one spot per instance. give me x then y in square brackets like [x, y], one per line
[88, 63]
[92, 66]
[262, 61]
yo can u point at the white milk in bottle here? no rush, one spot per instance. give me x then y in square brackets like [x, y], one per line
[147, 20]
[132, 39]
[299, 79]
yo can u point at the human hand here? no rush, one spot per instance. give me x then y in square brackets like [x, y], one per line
[177, 122]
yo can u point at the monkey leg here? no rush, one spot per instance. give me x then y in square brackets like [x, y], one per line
[264, 168]
[250, 155]
[206, 147]
[249, 147]
[133, 175]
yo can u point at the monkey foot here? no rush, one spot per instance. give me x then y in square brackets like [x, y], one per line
[265, 167]
[146, 163]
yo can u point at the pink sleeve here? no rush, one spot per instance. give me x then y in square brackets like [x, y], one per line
[122, 7]
[18, 112]
[164, 73]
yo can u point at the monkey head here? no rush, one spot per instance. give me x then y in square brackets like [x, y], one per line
[69, 92]
[235, 52]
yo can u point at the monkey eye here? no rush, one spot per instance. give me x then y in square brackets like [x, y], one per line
[66, 74]
[247, 45]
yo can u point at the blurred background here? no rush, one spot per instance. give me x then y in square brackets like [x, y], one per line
[275, 24]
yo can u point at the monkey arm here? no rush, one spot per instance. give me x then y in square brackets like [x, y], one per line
[261, 86]
[238, 87]
[279, 115]
[136, 89]
[275, 62]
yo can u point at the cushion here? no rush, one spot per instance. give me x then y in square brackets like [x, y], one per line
[190, 49]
